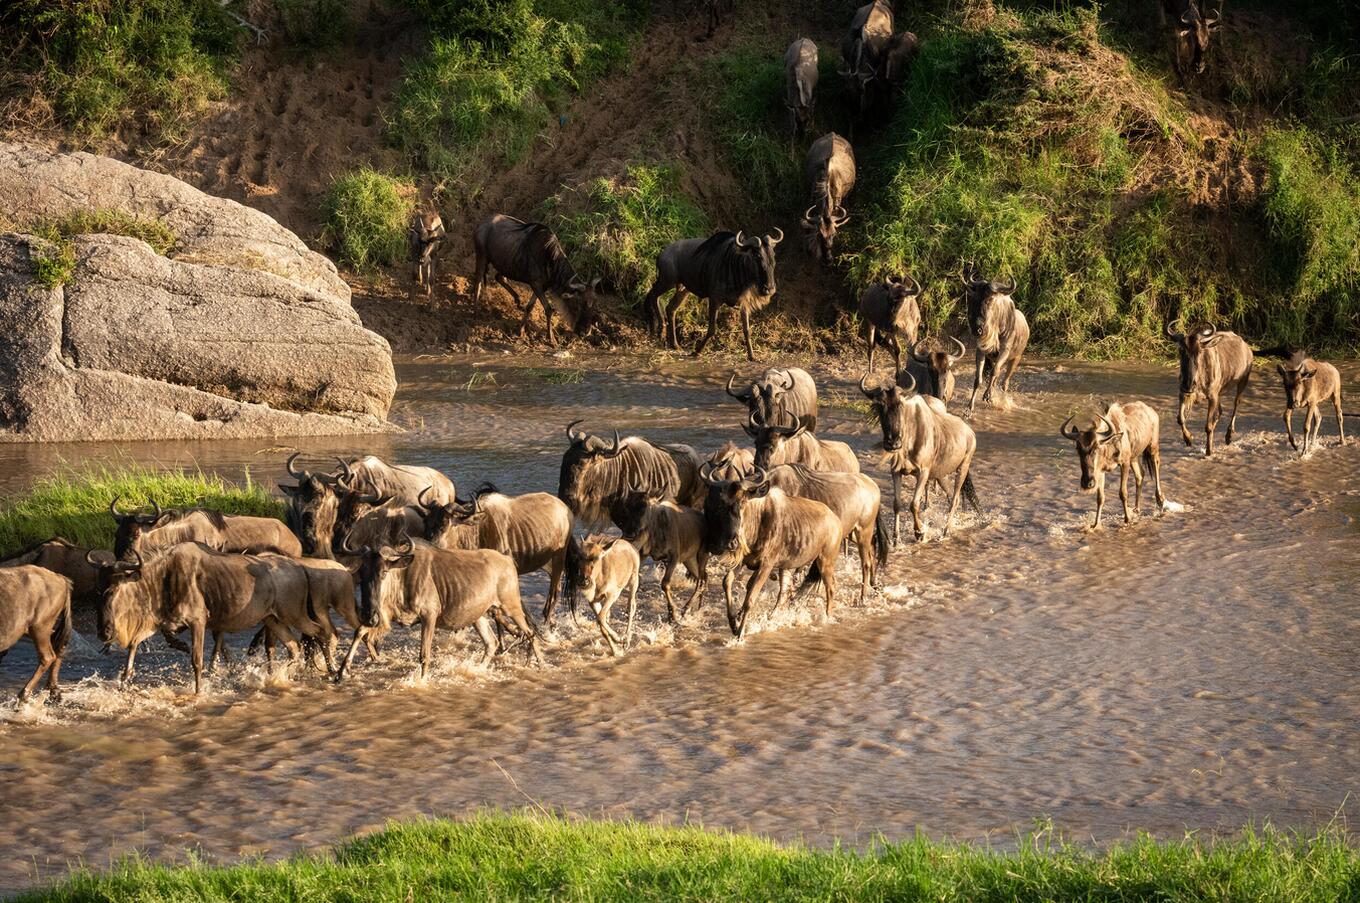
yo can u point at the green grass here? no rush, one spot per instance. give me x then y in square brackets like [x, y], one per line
[75, 504]
[624, 223]
[314, 24]
[55, 267]
[98, 65]
[494, 71]
[368, 214]
[534, 857]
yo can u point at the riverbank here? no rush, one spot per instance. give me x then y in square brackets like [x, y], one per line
[539, 857]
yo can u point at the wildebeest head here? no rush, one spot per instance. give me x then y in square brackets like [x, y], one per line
[629, 513]
[820, 223]
[582, 314]
[902, 49]
[353, 505]
[771, 435]
[986, 301]
[761, 250]
[1097, 445]
[111, 572]
[131, 527]
[889, 404]
[313, 505]
[1296, 374]
[583, 456]
[723, 508]
[370, 568]
[1191, 347]
[1192, 35]
[940, 365]
[592, 550]
[765, 396]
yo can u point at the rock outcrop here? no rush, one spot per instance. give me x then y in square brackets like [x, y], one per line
[240, 331]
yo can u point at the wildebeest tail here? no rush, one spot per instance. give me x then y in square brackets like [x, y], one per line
[882, 532]
[970, 494]
[814, 575]
[571, 573]
[61, 630]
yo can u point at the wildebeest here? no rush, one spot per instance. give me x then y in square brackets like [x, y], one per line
[728, 269]
[530, 253]
[446, 588]
[1191, 31]
[731, 460]
[856, 502]
[790, 390]
[933, 370]
[670, 534]
[891, 315]
[533, 529]
[800, 83]
[369, 519]
[830, 174]
[864, 49]
[1001, 331]
[152, 533]
[313, 507]
[195, 587]
[1121, 437]
[1307, 383]
[902, 49]
[748, 521]
[920, 437]
[602, 569]
[36, 603]
[403, 484]
[596, 473]
[64, 558]
[1211, 360]
[787, 441]
[427, 239]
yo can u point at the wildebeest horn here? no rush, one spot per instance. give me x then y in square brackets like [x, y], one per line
[741, 238]
[1171, 334]
[617, 448]
[840, 216]
[573, 434]
[706, 474]
[774, 241]
[293, 472]
[739, 396]
[346, 473]
[757, 478]
[1067, 430]
[1187, 18]
[407, 545]
[915, 286]
[791, 429]
[1004, 288]
[371, 498]
[348, 549]
[807, 216]
[954, 358]
[1207, 331]
[864, 386]
[423, 505]
[154, 516]
[789, 380]
[90, 558]
[1109, 430]
[894, 279]
[750, 426]
[910, 388]
[917, 356]
[113, 508]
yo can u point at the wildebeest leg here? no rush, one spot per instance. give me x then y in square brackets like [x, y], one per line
[632, 611]
[360, 637]
[728, 579]
[1289, 428]
[1340, 420]
[672, 311]
[1312, 426]
[713, 306]
[746, 332]
[896, 348]
[1137, 488]
[977, 379]
[1187, 404]
[548, 316]
[993, 371]
[602, 610]
[753, 588]
[426, 645]
[47, 658]
[873, 341]
[656, 321]
[196, 637]
[864, 538]
[959, 479]
[700, 578]
[285, 637]
[1152, 458]
[173, 641]
[1100, 499]
[555, 567]
[897, 507]
[129, 666]
[828, 569]
[917, 499]
[1237, 399]
[1211, 424]
[479, 277]
[1124, 492]
[666, 575]
[1010, 371]
[488, 638]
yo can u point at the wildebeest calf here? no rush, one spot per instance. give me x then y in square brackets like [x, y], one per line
[602, 569]
[1121, 437]
[1211, 360]
[427, 238]
[668, 533]
[1307, 383]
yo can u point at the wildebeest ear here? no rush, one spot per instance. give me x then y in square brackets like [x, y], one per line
[1211, 341]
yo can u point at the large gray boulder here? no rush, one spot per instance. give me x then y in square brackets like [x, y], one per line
[196, 345]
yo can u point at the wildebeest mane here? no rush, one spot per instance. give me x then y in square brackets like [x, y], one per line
[640, 465]
[30, 550]
[724, 268]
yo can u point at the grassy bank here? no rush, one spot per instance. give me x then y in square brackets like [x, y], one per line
[75, 505]
[519, 857]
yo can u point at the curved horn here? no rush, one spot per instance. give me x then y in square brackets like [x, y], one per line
[293, 472]
[750, 426]
[1171, 333]
[954, 358]
[706, 474]
[807, 216]
[864, 386]
[915, 286]
[758, 477]
[741, 238]
[1207, 331]
[348, 549]
[739, 396]
[840, 216]
[89, 558]
[113, 508]
[908, 389]
[573, 434]
[616, 449]
[917, 356]
[155, 512]
[789, 377]
[1008, 286]
[346, 472]
[1067, 430]
[420, 500]
[407, 545]
[1187, 18]
[1108, 430]
[774, 241]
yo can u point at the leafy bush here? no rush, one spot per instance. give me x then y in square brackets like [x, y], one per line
[625, 223]
[367, 217]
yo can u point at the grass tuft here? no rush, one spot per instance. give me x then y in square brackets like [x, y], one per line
[367, 217]
[54, 266]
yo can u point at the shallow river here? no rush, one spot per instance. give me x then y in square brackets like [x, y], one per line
[1194, 670]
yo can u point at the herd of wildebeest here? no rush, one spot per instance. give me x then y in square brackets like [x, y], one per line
[380, 545]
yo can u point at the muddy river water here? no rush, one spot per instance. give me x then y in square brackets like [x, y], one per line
[1196, 670]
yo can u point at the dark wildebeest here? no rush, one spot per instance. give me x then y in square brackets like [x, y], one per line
[830, 174]
[313, 506]
[1211, 360]
[933, 370]
[446, 588]
[782, 390]
[68, 560]
[749, 522]
[427, 239]
[891, 315]
[595, 474]
[902, 49]
[534, 529]
[864, 50]
[36, 603]
[602, 569]
[669, 534]
[195, 587]
[729, 270]
[1000, 329]
[368, 519]
[800, 83]
[153, 533]
[530, 253]
[856, 502]
[1121, 437]
[1190, 32]
[1307, 383]
[787, 441]
[920, 437]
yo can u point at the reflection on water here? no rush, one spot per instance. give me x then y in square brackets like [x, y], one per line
[1196, 669]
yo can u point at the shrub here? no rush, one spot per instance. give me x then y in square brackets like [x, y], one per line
[367, 216]
[54, 268]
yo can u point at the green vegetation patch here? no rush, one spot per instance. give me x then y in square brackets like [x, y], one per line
[495, 68]
[624, 223]
[97, 65]
[54, 266]
[528, 857]
[368, 215]
[75, 504]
